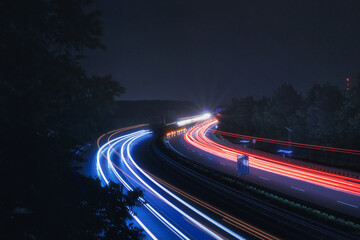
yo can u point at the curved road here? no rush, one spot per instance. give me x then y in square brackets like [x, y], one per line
[167, 212]
[334, 192]
[181, 204]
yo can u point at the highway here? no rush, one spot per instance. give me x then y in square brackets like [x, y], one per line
[323, 189]
[167, 211]
[179, 203]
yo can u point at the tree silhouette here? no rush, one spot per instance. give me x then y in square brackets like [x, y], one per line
[48, 106]
[325, 116]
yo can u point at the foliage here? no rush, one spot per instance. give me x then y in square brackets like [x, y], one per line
[49, 105]
[321, 117]
[325, 116]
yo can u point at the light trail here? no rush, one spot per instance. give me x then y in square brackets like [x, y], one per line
[108, 147]
[159, 216]
[177, 198]
[294, 144]
[101, 152]
[124, 142]
[147, 205]
[239, 224]
[197, 137]
[101, 174]
[101, 149]
[193, 119]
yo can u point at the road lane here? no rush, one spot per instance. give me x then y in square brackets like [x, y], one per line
[163, 215]
[316, 194]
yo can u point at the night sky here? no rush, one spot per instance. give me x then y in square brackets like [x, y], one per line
[211, 51]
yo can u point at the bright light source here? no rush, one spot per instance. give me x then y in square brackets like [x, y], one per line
[194, 119]
[207, 115]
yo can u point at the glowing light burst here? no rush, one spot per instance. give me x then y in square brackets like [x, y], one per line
[194, 119]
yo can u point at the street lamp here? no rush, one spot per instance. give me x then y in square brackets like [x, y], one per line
[284, 152]
[289, 136]
[245, 142]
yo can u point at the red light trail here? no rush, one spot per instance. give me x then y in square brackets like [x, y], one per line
[294, 144]
[197, 137]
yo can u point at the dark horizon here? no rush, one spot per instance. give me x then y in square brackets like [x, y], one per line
[209, 52]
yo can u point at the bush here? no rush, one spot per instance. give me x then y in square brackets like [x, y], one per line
[350, 224]
[340, 221]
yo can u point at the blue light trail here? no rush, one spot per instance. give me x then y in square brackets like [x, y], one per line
[156, 197]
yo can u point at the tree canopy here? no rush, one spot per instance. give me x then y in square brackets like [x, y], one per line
[324, 116]
[48, 106]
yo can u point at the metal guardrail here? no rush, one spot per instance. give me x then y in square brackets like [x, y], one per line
[341, 172]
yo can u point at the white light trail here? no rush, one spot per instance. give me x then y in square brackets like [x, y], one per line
[127, 141]
[177, 198]
[195, 119]
[107, 147]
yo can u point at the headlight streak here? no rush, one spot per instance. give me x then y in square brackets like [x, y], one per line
[148, 206]
[227, 217]
[175, 197]
[128, 139]
[294, 144]
[199, 225]
[197, 137]
[143, 226]
[194, 119]
[99, 170]
[100, 152]
[111, 165]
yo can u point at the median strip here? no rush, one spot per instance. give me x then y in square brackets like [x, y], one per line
[299, 189]
[348, 204]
